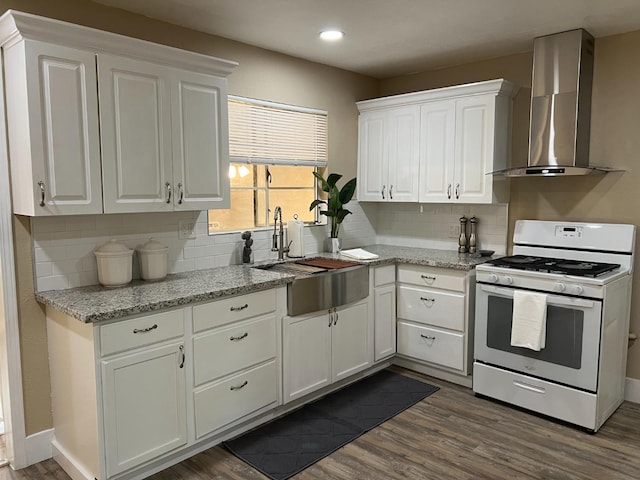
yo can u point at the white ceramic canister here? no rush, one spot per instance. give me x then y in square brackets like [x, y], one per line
[114, 264]
[153, 260]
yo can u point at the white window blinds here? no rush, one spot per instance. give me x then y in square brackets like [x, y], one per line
[272, 133]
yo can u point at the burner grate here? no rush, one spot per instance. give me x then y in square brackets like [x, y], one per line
[555, 265]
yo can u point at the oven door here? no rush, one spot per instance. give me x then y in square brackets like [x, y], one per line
[572, 346]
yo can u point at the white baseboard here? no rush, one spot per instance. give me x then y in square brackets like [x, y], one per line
[632, 390]
[68, 463]
[38, 446]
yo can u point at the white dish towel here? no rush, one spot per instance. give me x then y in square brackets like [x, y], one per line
[529, 323]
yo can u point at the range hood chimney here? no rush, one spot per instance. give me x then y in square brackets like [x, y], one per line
[560, 116]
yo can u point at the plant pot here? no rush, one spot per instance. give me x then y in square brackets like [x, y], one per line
[333, 245]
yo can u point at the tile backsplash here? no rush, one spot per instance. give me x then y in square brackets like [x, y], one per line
[63, 246]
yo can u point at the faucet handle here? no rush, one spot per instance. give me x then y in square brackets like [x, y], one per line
[288, 246]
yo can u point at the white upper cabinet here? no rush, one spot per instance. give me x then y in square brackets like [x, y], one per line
[52, 126]
[200, 141]
[159, 142]
[164, 137]
[459, 135]
[388, 155]
[135, 121]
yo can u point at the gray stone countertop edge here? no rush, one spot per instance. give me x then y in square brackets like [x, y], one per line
[96, 303]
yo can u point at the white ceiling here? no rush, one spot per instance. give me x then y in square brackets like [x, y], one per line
[386, 38]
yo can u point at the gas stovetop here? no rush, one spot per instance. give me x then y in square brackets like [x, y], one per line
[564, 266]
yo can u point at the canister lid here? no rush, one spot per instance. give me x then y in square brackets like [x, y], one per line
[113, 247]
[153, 246]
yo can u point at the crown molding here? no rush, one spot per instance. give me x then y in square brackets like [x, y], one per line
[16, 26]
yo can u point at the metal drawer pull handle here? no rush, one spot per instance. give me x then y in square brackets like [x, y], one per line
[330, 318]
[449, 191]
[428, 337]
[244, 335]
[183, 357]
[427, 277]
[457, 191]
[41, 185]
[391, 192]
[168, 187]
[145, 330]
[238, 387]
[425, 299]
[526, 386]
[181, 194]
[383, 192]
[237, 309]
[335, 318]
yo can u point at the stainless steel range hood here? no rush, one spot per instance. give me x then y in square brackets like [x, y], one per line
[560, 116]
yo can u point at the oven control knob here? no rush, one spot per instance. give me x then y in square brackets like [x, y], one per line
[578, 289]
[493, 278]
[560, 287]
[507, 280]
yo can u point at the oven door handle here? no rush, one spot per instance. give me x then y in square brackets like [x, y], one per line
[551, 299]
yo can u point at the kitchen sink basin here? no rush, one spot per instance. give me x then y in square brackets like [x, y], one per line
[321, 284]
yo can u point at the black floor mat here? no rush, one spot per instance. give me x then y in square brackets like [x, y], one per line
[288, 445]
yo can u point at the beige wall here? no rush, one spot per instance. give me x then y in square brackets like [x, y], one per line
[615, 142]
[261, 74]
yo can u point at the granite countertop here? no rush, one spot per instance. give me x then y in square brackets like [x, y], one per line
[96, 303]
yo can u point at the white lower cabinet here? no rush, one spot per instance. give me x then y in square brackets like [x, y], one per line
[145, 412]
[384, 311]
[134, 393]
[435, 319]
[322, 348]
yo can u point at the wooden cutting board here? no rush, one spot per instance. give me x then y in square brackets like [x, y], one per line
[328, 263]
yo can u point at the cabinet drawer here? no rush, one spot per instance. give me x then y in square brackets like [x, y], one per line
[434, 307]
[384, 275]
[220, 312]
[239, 346]
[433, 277]
[232, 399]
[137, 332]
[431, 345]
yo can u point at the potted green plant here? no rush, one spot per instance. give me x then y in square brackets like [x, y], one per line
[336, 199]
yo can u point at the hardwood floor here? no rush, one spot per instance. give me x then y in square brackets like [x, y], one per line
[449, 435]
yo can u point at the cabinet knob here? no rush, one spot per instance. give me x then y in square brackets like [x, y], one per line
[145, 330]
[168, 187]
[41, 185]
[181, 193]
[238, 387]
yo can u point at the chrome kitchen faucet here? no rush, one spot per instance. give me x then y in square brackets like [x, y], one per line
[278, 246]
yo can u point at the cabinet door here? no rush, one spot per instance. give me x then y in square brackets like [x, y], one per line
[403, 137]
[135, 123]
[372, 157]
[385, 321]
[350, 345]
[306, 354]
[200, 141]
[144, 406]
[474, 149]
[52, 123]
[437, 130]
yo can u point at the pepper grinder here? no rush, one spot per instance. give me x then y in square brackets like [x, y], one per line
[462, 241]
[473, 221]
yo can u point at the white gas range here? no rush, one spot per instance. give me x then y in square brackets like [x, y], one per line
[583, 271]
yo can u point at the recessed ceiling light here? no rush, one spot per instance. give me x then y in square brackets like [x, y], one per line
[331, 35]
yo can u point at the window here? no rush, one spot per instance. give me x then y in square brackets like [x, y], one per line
[273, 150]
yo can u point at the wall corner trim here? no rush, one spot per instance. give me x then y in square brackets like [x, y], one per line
[632, 390]
[38, 446]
